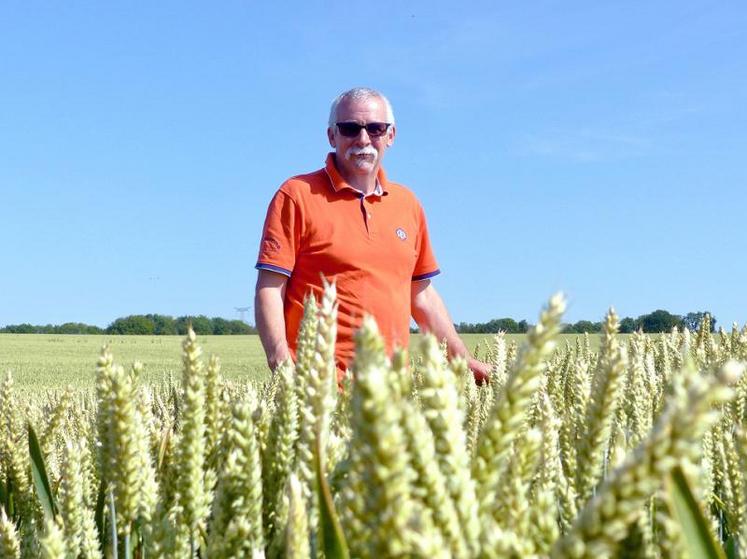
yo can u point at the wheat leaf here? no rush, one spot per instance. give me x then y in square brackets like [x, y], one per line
[39, 475]
[333, 540]
[696, 534]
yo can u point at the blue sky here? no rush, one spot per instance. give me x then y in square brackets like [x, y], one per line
[595, 148]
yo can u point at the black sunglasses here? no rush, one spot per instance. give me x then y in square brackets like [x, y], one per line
[352, 129]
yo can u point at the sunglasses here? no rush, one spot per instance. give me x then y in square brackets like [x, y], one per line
[352, 129]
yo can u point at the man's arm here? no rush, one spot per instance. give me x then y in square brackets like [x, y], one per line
[268, 314]
[430, 313]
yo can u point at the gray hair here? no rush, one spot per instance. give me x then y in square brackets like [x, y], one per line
[359, 94]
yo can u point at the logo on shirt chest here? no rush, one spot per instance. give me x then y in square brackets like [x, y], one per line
[401, 234]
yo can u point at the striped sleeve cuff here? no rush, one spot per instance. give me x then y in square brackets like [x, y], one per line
[429, 275]
[272, 268]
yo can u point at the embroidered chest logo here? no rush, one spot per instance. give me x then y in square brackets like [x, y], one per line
[401, 234]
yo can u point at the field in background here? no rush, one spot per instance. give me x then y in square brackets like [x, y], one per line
[51, 361]
[43, 361]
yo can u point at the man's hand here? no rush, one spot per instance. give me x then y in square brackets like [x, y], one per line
[277, 356]
[480, 370]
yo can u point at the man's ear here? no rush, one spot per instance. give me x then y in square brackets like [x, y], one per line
[390, 135]
[331, 137]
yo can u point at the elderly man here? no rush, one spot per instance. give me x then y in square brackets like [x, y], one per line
[349, 223]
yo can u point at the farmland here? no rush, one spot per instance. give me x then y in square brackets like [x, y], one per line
[631, 446]
[54, 361]
[42, 361]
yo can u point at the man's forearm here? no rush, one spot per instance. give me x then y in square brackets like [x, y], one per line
[429, 311]
[438, 322]
[268, 307]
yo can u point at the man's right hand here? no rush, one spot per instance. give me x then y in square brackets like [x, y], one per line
[275, 358]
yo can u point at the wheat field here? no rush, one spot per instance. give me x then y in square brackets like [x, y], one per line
[49, 362]
[634, 448]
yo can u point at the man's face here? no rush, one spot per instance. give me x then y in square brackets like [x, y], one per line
[362, 154]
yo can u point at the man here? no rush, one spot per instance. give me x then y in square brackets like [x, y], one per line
[349, 223]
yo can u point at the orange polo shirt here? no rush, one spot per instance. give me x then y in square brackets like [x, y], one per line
[371, 246]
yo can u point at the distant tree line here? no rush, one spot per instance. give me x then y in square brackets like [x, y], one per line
[142, 324]
[67, 328]
[508, 325]
[160, 325]
[653, 322]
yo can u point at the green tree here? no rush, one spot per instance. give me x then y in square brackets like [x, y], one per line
[24, 328]
[583, 327]
[77, 328]
[136, 324]
[220, 326]
[508, 325]
[201, 324]
[163, 325]
[692, 320]
[658, 321]
[627, 325]
[240, 328]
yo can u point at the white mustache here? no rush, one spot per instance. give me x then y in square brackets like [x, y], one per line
[367, 150]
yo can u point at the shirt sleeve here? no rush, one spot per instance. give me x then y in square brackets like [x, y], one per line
[280, 236]
[425, 265]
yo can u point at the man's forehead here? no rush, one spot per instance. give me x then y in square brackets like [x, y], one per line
[370, 105]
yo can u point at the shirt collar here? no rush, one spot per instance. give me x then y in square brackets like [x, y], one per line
[338, 183]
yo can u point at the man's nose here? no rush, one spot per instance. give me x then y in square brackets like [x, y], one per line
[363, 138]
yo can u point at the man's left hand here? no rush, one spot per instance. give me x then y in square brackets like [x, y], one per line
[480, 370]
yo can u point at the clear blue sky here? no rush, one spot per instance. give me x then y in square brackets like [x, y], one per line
[589, 147]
